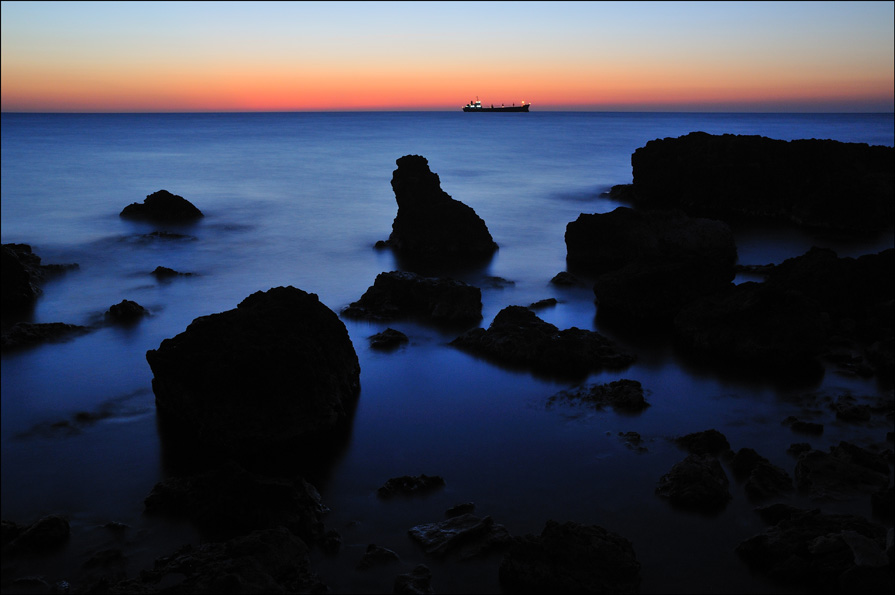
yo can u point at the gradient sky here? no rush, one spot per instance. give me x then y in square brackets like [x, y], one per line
[298, 56]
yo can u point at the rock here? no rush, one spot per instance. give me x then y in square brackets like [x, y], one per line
[696, 483]
[161, 272]
[736, 176]
[410, 485]
[622, 395]
[707, 442]
[465, 536]
[229, 501]
[763, 479]
[465, 508]
[842, 473]
[26, 334]
[804, 427]
[816, 552]
[42, 536]
[753, 323]
[518, 337]
[430, 225]
[162, 206]
[545, 303]
[377, 556]
[848, 409]
[399, 294]
[22, 274]
[279, 368]
[126, 312]
[566, 279]
[882, 502]
[388, 339]
[419, 580]
[570, 558]
[265, 561]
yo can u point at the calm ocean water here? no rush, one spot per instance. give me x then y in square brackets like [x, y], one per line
[300, 199]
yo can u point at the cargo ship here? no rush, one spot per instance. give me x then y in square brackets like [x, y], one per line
[476, 106]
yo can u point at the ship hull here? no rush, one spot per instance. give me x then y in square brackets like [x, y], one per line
[514, 108]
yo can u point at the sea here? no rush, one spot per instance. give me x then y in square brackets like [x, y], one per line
[300, 199]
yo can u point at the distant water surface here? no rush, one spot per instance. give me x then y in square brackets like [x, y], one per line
[300, 199]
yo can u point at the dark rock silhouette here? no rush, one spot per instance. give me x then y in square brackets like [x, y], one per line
[518, 337]
[430, 225]
[126, 311]
[376, 555]
[228, 501]
[622, 395]
[399, 294]
[763, 479]
[570, 558]
[26, 334]
[465, 537]
[264, 561]
[804, 181]
[696, 483]
[388, 339]
[816, 552]
[47, 534]
[410, 485]
[707, 442]
[419, 580]
[841, 473]
[162, 206]
[22, 273]
[650, 264]
[161, 272]
[278, 368]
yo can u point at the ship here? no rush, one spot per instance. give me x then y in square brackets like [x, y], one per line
[476, 106]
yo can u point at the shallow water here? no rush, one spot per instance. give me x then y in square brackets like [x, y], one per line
[300, 199]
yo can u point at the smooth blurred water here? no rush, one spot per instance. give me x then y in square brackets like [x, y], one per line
[300, 199]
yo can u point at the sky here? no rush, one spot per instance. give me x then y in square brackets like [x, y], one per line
[358, 56]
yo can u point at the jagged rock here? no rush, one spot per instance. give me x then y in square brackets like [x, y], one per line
[465, 536]
[398, 294]
[466, 507]
[418, 581]
[622, 395]
[763, 479]
[161, 272]
[377, 556]
[848, 409]
[162, 206]
[229, 501]
[566, 279]
[820, 553]
[126, 312]
[734, 176]
[518, 337]
[44, 535]
[707, 442]
[804, 427]
[570, 558]
[430, 225]
[388, 339]
[24, 334]
[265, 561]
[842, 473]
[410, 485]
[277, 369]
[545, 303]
[696, 483]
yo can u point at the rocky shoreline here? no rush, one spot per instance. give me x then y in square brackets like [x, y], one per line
[238, 391]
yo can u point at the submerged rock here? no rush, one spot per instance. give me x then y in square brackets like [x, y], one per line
[25, 334]
[622, 395]
[570, 558]
[465, 536]
[518, 337]
[277, 369]
[125, 312]
[410, 485]
[430, 225]
[803, 181]
[399, 294]
[388, 339]
[162, 206]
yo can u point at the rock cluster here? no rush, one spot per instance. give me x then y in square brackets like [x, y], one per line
[804, 181]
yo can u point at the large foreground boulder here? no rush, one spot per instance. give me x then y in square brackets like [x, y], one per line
[814, 183]
[430, 225]
[278, 368]
[517, 337]
[571, 558]
[162, 206]
[399, 294]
